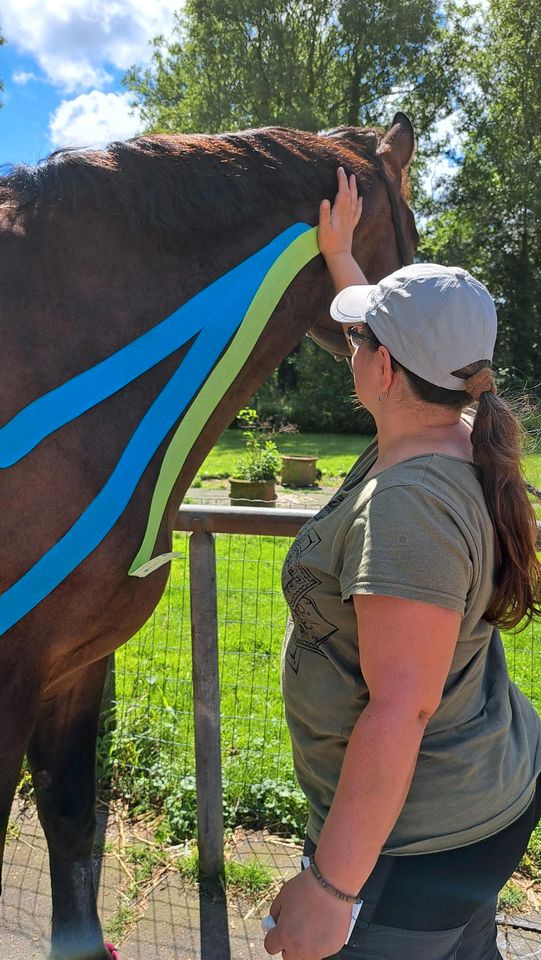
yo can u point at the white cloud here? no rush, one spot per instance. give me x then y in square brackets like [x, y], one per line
[74, 41]
[22, 77]
[93, 120]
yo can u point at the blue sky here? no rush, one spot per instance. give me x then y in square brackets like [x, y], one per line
[62, 67]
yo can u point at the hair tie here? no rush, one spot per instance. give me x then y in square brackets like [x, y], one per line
[480, 382]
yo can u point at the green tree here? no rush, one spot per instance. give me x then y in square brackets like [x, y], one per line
[489, 219]
[232, 64]
[318, 398]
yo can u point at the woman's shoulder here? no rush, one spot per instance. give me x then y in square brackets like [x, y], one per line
[431, 485]
[430, 471]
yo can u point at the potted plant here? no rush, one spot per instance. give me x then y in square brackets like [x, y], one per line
[257, 469]
[299, 471]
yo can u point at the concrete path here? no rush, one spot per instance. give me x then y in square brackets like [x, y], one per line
[164, 917]
[305, 497]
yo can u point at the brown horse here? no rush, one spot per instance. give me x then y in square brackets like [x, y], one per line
[96, 249]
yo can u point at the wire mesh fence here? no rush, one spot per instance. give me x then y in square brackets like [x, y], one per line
[151, 757]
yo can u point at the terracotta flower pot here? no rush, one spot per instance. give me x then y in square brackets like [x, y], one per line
[298, 471]
[252, 493]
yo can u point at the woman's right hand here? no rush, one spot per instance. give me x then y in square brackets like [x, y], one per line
[337, 223]
[335, 235]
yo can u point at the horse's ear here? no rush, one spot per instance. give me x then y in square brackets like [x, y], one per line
[399, 141]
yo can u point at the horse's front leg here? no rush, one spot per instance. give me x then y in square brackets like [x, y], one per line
[61, 754]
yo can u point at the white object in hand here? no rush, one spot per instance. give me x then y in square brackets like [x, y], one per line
[267, 923]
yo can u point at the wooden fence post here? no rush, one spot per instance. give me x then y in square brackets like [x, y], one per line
[206, 690]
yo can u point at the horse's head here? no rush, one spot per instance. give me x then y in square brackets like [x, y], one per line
[386, 237]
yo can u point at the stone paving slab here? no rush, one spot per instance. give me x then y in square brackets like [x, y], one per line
[170, 928]
[518, 944]
[286, 497]
[171, 920]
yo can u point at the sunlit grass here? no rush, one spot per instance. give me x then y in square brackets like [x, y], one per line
[336, 452]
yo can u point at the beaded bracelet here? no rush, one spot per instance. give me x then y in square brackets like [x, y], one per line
[348, 898]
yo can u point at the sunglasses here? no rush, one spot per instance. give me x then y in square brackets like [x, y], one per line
[355, 336]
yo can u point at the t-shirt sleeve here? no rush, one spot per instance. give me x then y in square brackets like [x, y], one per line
[407, 543]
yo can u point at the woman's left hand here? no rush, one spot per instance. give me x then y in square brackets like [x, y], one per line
[310, 922]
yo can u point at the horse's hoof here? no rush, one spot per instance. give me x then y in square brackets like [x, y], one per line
[114, 953]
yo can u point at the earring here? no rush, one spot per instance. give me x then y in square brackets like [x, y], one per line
[385, 395]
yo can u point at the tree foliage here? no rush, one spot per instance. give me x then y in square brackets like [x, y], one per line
[489, 219]
[314, 392]
[232, 64]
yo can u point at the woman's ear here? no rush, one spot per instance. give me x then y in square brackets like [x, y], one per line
[387, 372]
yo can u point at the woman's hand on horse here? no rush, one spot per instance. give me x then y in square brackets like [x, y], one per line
[310, 922]
[337, 223]
[335, 235]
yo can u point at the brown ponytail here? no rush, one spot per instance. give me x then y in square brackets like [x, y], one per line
[497, 442]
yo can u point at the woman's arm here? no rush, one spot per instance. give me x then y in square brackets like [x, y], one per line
[406, 648]
[336, 226]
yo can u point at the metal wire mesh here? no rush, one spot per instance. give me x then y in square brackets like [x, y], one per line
[154, 697]
[154, 730]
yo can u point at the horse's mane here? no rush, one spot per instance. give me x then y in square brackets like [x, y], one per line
[162, 182]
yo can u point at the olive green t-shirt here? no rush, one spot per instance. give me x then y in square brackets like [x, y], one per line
[419, 530]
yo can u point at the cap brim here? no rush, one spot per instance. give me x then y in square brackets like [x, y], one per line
[351, 304]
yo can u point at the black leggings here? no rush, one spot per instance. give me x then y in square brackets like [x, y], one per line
[440, 891]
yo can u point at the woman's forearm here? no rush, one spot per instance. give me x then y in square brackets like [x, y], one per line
[374, 782]
[344, 270]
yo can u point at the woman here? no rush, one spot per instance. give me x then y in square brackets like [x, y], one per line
[418, 756]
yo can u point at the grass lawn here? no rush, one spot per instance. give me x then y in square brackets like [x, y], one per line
[154, 753]
[336, 452]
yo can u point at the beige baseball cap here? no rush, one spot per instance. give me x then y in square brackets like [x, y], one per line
[432, 319]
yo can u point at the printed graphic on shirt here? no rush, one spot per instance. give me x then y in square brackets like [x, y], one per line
[331, 505]
[311, 628]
